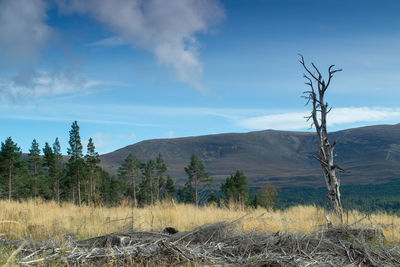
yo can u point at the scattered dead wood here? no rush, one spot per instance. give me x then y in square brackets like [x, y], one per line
[219, 244]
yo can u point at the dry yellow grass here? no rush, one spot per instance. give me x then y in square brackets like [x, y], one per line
[43, 219]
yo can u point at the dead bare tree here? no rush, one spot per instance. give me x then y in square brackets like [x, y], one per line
[320, 110]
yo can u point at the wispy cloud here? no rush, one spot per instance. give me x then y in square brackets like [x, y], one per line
[337, 117]
[36, 84]
[111, 41]
[165, 28]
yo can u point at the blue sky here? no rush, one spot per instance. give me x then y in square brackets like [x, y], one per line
[131, 70]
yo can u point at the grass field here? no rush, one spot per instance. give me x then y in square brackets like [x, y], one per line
[49, 222]
[40, 220]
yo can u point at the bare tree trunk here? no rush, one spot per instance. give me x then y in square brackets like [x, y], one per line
[325, 150]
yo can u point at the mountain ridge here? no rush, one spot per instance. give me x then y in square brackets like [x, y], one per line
[282, 158]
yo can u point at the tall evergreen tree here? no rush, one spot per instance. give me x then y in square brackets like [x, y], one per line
[130, 170]
[35, 160]
[58, 167]
[75, 163]
[235, 187]
[48, 156]
[10, 154]
[147, 186]
[161, 169]
[196, 176]
[170, 187]
[92, 159]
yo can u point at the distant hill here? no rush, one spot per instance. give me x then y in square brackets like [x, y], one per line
[281, 158]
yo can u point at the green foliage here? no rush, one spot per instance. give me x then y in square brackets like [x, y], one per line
[9, 159]
[256, 201]
[130, 172]
[212, 198]
[92, 157]
[147, 189]
[366, 198]
[75, 163]
[236, 188]
[170, 187]
[196, 176]
[181, 195]
[75, 149]
[38, 179]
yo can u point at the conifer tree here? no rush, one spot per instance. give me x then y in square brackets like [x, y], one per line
[130, 170]
[235, 187]
[196, 176]
[58, 166]
[35, 160]
[92, 159]
[10, 154]
[147, 186]
[48, 157]
[75, 163]
[170, 187]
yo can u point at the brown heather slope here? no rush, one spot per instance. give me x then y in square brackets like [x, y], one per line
[282, 158]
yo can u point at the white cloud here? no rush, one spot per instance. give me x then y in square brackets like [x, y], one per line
[23, 31]
[338, 116]
[36, 84]
[165, 28]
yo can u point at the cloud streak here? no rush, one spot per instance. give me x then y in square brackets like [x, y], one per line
[337, 117]
[38, 84]
[165, 28]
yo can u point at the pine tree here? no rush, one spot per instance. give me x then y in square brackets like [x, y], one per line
[235, 187]
[75, 163]
[129, 170]
[92, 159]
[196, 176]
[256, 201]
[35, 160]
[10, 154]
[147, 186]
[58, 167]
[170, 187]
[181, 195]
[49, 158]
[161, 168]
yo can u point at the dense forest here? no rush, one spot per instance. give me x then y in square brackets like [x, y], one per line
[366, 198]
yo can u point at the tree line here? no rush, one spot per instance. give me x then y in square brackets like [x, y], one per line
[78, 178]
